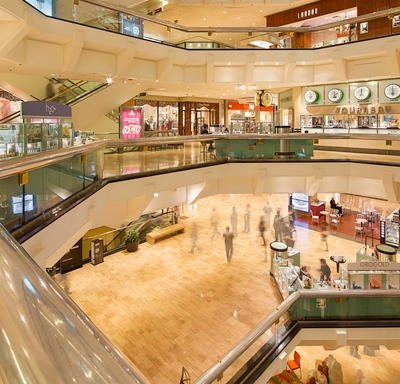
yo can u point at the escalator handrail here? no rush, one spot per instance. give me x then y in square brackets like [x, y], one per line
[231, 356]
[45, 336]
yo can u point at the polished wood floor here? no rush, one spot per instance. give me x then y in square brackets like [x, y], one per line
[166, 307]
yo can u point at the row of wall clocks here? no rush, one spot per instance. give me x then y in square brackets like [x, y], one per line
[361, 93]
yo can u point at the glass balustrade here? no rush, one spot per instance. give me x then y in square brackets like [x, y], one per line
[126, 21]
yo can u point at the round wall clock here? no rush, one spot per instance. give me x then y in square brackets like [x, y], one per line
[335, 95]
[392, 91]
[362, 93]
[311, 96]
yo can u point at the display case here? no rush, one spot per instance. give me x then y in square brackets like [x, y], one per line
[11, 140]
[373, 275]
[300, 202]
[287, 277]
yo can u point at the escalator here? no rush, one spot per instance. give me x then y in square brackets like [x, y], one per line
[64, 91]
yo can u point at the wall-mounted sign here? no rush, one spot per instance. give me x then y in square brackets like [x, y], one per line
[311, 96]
[392, 91]
[373, 266]
[362, 93]
[45, 108]
[131, 25]
[131, 123]
[367, 110]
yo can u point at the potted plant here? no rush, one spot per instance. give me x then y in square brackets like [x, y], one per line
[131, 240]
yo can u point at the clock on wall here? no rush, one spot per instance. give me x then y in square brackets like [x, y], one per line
[311, 96]
[335, 95]
[392, 91]
[266, 99]
[362, 93]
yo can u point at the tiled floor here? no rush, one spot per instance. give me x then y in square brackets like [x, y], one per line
[166, 307]
[133, 162]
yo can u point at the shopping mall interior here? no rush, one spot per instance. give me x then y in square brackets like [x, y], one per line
[199, 191]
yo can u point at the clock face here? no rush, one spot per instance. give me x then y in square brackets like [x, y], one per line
[335, 95]
[392, 91]
[362, 93]
[311, 96]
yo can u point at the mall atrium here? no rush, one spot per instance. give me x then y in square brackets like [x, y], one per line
[201, 191]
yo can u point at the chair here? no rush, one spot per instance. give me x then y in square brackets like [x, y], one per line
[313, 217]
[359, 229]
[295, 364]
[185, 376]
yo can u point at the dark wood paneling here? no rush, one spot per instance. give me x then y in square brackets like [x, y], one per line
[324, 7]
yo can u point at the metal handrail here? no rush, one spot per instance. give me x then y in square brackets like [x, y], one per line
[12, 166]
[184, 28]
[45, 336]
[231, 356]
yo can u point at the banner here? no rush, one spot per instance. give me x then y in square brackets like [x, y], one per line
[131, 123]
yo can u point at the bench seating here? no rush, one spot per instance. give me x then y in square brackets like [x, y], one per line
[159, 234]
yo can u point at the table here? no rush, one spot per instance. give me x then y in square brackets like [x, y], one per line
[324, 214]
[338, 260]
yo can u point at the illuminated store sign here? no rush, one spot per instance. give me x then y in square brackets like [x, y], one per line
[131, 123]
[368, 109]
[131, 25]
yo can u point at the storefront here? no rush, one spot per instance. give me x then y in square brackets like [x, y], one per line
[159, 115]
[362, 107]
[248, 118]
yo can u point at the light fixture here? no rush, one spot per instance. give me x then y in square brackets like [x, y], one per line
[261, 44]
[109, 80]
[243, 87]
[155, 194]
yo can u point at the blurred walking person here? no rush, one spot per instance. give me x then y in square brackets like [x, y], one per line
[261, 229]
[247, 219]
[278, 223]
[324, 240]
[267, 216]
[214, 224]
[234, 221]
[228, 237]
[194, 236]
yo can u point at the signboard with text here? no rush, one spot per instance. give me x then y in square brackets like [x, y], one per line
[131, 123]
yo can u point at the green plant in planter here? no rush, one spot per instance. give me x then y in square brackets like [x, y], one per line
[132, 240]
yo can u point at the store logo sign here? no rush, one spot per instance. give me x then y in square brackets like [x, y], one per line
[50, 109]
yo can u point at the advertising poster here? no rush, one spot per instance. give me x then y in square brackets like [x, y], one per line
[131, 123]
[375, 281]
[131, 25]
[44, 6]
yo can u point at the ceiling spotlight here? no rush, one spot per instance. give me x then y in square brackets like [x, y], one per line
[109, 80]
[155, 194]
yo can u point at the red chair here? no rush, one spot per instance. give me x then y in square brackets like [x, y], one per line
[295, 364]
